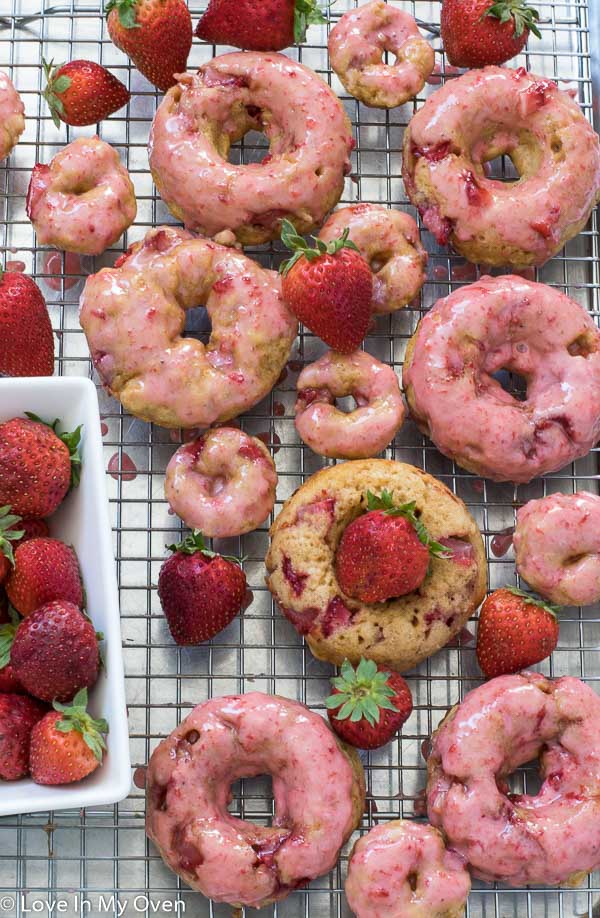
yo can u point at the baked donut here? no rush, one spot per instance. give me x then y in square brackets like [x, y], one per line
[222, 483]
[12, 116]
[389, 240]
[557, 547]
[238, 736]
[549, 838]
[361, 433]
[400, 632]
[401, 869]
[356, 45]
[473, 119]
[84, 200]
[506, 323]
[300, 179]
[133, 316]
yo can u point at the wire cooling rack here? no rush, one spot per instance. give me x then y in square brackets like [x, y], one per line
[98, 861]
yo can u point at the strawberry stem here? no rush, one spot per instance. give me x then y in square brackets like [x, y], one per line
[361, 693]
[306, 13]
[54, 86]
[75, 717]
[195, 542]
[126, 11]
[386, 503]
[301, 248]
[523, 16]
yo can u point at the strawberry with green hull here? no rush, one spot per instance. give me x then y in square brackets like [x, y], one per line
[328, 287]
[82, 92]
[368, 704]
[515, 631]
[26, 337]
[45, 570]
[476, 33]
[200, 591]
[67, 744]
[18, 716]
[267, 25]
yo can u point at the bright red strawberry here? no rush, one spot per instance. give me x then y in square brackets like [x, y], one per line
[45, 569]
[267, 26]
[368, 705]
[55, 652]
[37, 465]
[329, 288]
[476, 33]
[200, 592]
[26, 338]
[384, 553]
[67, 744]
[155, 34]
[18, 717]
[515, 631]
[82, 92]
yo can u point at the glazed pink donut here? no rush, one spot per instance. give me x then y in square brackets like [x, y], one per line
[557, 547]
[300, 179]
[356, 47]
[188, 789]
[84, 200]
[133, 316]
[401, 869]
[223, 483]
[513, 324]
[361, 433]
[550, 838]
[12, 116]
[389, 241]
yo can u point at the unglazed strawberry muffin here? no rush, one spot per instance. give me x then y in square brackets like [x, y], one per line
[312, 544]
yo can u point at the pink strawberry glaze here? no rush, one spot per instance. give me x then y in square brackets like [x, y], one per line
[361, 433]
[134, 317]
[307, 128]
[84, 200]
[188, 789]
[223, 483]
[389, 240]
[557, 547]
[356, 46]
[12, 112]
[550, 838]
[401, 869]
[478, 116]
[535, 331]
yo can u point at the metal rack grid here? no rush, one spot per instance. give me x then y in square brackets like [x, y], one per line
[82, 855]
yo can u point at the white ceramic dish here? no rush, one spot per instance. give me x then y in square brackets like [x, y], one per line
[82, 521]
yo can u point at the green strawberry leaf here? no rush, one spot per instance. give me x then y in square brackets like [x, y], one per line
[75, 717]
[534, 600]
[195, 542]
[301, 249]
[8, 533]
[7, 636]
[127, 12]
[306, 13]
[523, 16]
[385, 502]
[361, 693]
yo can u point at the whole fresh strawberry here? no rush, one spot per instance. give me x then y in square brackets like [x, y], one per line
[18, 717]
[155, 34]
[82, 92]
[26, 338]
[476, 33]
[267, 26]
[38, 465]
[368, 704]
[55, 652]
[386, 552]
[515, 631]
[328, 287]
[200, 591]
[67, 744]
[44, 570]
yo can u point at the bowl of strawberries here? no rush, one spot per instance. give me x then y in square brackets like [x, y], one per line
[63, 721]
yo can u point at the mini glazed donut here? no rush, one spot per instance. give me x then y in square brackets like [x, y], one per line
[473, 119]
[550, 838]
[300, 179]
[223, 483]
[12, 116]
[389, 241]
[84, 200]
[557, 547]
[513, 324]
[356, 45]
[401, 869]
[239, 736]
[133, 316]
[361, 433]
[400, 632]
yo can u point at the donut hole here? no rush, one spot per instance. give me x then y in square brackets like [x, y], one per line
[413, 880]
[252, 148]
[524, 780]
[502, 169]
[197, 324]
[252, 799]
[511, 382]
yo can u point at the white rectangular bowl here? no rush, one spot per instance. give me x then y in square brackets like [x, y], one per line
[83, 522]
